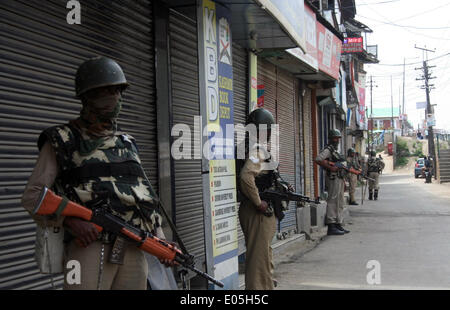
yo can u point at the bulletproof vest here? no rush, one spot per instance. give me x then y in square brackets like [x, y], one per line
[373, 165]
[264, 181]
[111, 170]
[335, 156]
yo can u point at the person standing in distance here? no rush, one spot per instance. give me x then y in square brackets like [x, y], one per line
[335, 183]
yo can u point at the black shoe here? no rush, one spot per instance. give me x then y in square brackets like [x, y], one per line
[375, 195]
[339, 226]
[334, 231]
[370, 195]
[353, 203]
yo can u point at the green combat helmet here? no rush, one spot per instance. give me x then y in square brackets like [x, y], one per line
[98, 72]
[334, 133]
[351, 151]
[260, 116]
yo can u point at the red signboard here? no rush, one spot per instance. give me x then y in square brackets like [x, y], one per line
[328, 51]
[352, 45]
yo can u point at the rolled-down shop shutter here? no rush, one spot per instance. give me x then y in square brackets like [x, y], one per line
[240, 101]
[279, 99]
[39, 58]
[285, 119]
[186, 104]
[307, 141]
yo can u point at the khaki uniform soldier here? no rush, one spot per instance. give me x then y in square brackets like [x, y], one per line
[374, 168]
[352, 162]
[335, 183]
[256, 216]
[90, 158]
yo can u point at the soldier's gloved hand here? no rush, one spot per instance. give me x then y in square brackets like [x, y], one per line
[84, 231]
[291, 188]
[263, 206]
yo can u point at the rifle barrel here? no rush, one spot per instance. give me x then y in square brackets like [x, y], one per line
[204, 275]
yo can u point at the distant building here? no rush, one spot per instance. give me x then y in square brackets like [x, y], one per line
[384, 119]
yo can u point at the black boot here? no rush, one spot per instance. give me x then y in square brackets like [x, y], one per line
[375, 195]
[339, 226]
[353, 203]
[334, 231]
[370, 195]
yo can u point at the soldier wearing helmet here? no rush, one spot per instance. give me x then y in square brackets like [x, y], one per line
[335, 183]
[256, 216]
[352, 162]
[375, 166]
[87, 158]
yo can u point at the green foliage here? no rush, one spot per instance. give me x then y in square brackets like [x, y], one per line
[401, 161]
[402, 153]
[418, 152]
[402, 148]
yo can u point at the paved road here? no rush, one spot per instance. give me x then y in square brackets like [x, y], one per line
[407, 231]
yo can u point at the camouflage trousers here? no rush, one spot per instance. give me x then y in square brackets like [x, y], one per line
[374, 184]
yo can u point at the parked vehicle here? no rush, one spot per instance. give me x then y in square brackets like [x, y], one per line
[420, 163]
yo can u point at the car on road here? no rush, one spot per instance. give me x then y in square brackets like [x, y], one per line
[420, 163]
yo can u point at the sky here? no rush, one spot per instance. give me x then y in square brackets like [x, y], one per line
[398, 27]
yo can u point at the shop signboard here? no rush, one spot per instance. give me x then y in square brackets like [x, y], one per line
[218, 90]
[310, 57]
[328, 51]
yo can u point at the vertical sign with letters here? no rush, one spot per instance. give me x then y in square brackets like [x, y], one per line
[218, 87]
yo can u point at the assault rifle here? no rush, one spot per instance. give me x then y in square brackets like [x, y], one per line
[50, 203]
[340, 165]
[280, 196]
[270, 194]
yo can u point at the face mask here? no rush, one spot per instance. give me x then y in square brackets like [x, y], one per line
[106, 107]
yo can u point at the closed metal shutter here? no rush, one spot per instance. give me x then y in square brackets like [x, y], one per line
[299, 164]
[267, 77]
[240, 101]
[309, 160]
[185, 102]
[285, 119]
[40, 55]
[279, 99]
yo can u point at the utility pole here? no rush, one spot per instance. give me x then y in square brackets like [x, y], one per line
[403, 103]
[392, 111]
[429, 110]
[371, 115]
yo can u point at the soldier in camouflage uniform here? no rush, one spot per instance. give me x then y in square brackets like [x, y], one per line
[90, 158]
[374, 167]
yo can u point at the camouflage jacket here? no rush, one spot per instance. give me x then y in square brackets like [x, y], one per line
[375, 165]
[112, 169]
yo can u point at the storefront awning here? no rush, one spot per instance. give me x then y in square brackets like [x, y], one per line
[265, 24]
